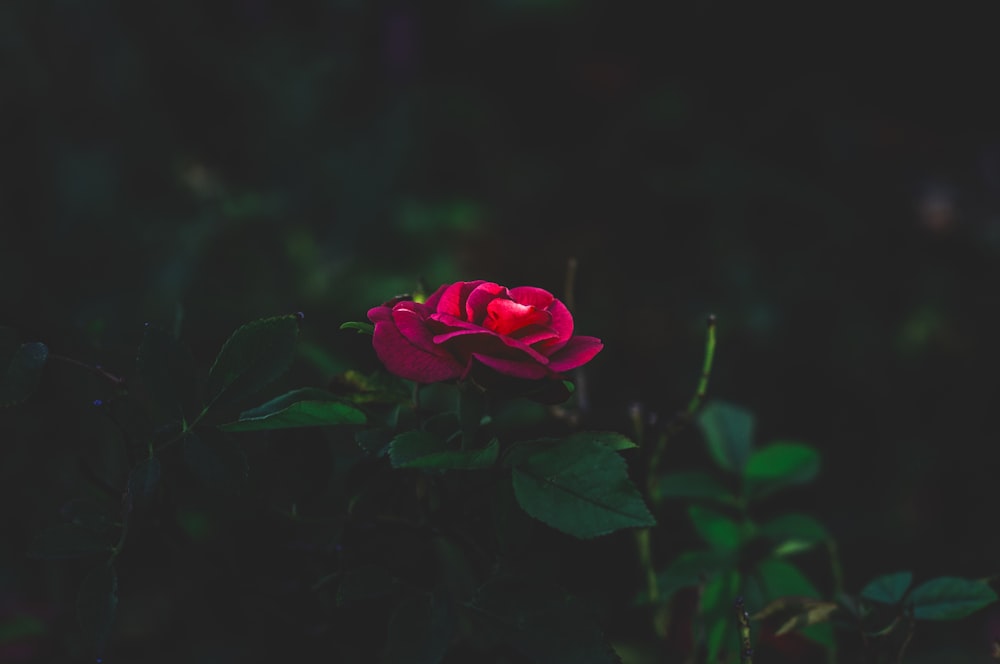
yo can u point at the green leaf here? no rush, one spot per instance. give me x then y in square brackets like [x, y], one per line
[89, 514]
[539, 621]
[689, 569]
[610, 439]
[68, 540]
[304, 407]
[420, 631]
[143, 479]
[694, 485]
[525, 448]
[216, 461]
[167, 371]
[420, 449]
[362, 328]
[717, 607]
[781, 578]
[96, 605]
[581, 488]
[362, 583]
[254, 355]
[728, 431]
[950, 598]
[22, 373]
[794, 532]
[888, 588]
[779, 465]
[717, 529]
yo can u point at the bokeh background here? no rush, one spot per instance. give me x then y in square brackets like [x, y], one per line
[825, 181]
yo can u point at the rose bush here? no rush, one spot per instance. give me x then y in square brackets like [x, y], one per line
[472, 327]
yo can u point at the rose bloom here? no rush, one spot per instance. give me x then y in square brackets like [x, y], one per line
[464, 327]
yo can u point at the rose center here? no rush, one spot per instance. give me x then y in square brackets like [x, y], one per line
[506, 316]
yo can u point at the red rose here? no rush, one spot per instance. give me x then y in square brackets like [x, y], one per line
[522, 332]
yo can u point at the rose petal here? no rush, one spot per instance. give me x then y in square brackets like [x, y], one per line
[506, 316]
[536, 335]
[376, 314]
[532, 296]
[562, 320]
[480, 297]
[577, 352]
[513, 368]
[432, 300]
[421, 363]
[447, 320]
[451, 299]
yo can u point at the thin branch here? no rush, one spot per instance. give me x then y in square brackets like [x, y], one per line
[743, 623]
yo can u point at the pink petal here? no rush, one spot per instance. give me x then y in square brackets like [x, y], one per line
[448, 320]
[537, 335]
[376, 314]
[535, 297]
[451, 334]
[562, 320]
[513, 367]
[506, 316]
[410, 319]
[420, 363]
[480, 297]
[433, 298]
[577, 352]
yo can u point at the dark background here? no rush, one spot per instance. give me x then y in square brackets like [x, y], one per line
[826, 181]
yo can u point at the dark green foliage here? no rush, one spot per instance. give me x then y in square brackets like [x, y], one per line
[581, 488]
[252, 358]
[376, 463]
[304, 407]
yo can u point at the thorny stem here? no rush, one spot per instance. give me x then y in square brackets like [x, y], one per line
[643, 535]
[114, 379]
[685, 416]
[743, 622]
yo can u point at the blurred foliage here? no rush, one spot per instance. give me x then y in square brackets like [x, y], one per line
[830, 193]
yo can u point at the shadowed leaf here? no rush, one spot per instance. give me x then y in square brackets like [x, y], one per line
[888, 588]
[581, 488]
[728, 430]
[779, 465]
[694, 485]
[949, 598]
[254, 355]
[419, 449]
[305, 407]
